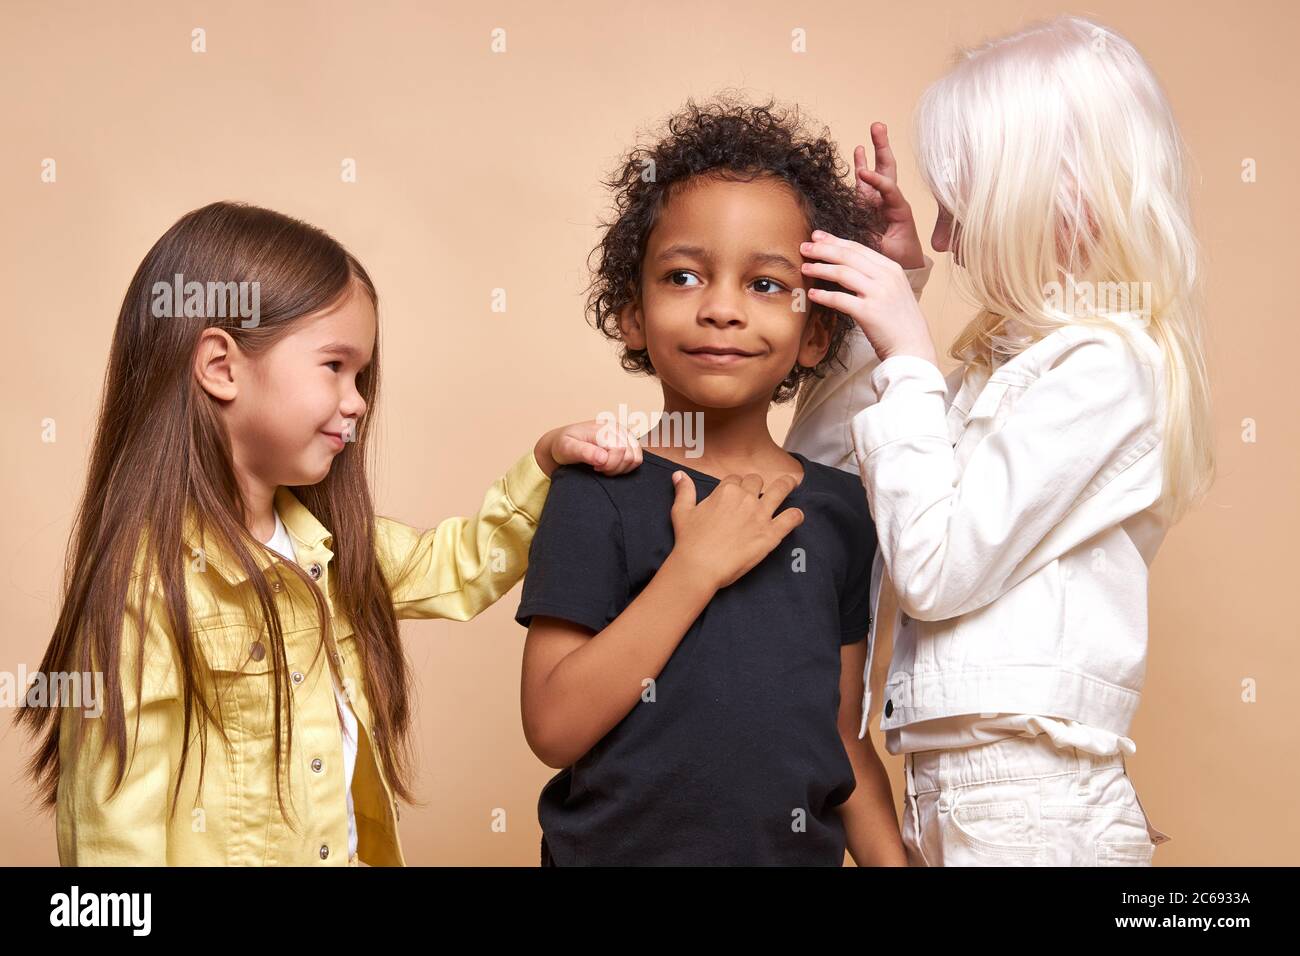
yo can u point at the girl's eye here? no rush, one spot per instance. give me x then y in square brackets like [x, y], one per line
[672, 277]
[776, 286]
[334, 363]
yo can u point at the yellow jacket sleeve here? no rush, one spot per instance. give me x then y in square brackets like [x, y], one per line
[464, 565]
[128, 828]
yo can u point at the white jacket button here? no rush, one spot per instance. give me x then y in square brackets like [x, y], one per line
[324, 851]
[889, 708]
[314, 570]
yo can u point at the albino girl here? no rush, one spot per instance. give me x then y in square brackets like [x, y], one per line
[1020, 500]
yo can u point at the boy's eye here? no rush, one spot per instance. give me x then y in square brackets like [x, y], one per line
[770, 286]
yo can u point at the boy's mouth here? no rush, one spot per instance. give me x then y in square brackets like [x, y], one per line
[719, 354]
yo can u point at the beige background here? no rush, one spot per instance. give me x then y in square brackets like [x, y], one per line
[480, 170]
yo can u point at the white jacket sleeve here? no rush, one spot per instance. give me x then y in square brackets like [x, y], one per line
[825, 407]
[1078, 452]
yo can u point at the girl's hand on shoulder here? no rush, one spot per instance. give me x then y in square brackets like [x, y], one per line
[877, 295]
[879, 188]
[607, 446]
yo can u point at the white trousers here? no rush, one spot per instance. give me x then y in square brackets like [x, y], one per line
[1022, 801]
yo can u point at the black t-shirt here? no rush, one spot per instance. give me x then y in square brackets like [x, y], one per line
[738, 758]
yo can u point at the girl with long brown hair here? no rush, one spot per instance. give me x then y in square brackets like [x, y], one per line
[228, 579]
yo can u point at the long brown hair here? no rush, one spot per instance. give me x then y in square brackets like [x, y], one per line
[160, 431]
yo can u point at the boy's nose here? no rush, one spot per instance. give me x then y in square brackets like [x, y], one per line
[721, 319]
[722, 310]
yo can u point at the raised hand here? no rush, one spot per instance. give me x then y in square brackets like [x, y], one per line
[878, 188]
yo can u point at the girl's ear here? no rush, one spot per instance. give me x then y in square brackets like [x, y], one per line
[213, 367]
[816, 340]
[631, 324]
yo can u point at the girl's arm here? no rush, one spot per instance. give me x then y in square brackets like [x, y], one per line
[870, 824]
[1072, 442]
[820, 429]
[1078, 453]
[464, 565]
[825, 407]
[96, 826]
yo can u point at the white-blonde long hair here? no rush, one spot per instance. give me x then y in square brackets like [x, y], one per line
[1056, 152]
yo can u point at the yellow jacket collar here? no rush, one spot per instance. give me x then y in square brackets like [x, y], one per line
[308, 534]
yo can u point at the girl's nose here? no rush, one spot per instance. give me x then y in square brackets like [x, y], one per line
[942, 235]
[354, 406]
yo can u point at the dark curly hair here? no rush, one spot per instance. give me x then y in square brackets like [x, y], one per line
[731, 139]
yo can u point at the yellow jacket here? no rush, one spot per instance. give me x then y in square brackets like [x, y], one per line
[452, 571]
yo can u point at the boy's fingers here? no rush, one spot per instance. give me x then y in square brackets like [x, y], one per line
[776, 492]
[684, 492]
[787, 521]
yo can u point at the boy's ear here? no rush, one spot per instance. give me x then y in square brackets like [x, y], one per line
[816, 341]
[631, 324]
[213, 366]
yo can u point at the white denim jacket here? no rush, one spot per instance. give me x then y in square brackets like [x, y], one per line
[1017, 517]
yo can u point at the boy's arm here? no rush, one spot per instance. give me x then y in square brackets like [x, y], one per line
[870, 823]
[578, 684]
